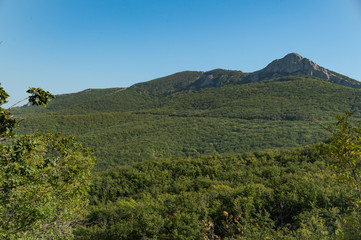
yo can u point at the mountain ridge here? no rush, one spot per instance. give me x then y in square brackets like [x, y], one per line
[293, 64]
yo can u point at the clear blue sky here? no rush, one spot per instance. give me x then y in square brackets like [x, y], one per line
[70, 45]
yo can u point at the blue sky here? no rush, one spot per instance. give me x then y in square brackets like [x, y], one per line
[67, 46]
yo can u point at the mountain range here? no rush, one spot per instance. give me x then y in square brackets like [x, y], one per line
[191, 113]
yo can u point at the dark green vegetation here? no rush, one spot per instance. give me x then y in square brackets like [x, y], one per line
[175, 116]
[44, 179]
[265, 195]
[345, 150]
[212, 156]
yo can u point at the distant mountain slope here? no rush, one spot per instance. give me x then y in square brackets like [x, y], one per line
[139, 96]
[281, 113]
[195, 113]
[70, 101]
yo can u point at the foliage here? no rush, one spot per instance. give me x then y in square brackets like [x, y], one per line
[174, 184]
[44, 180]
[265, 195]
[345, 150]
[39, 96]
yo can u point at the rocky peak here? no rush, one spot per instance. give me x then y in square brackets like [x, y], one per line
[292, 57]
[295, 64]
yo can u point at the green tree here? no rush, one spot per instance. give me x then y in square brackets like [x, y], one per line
[44, 179]
[345, 151]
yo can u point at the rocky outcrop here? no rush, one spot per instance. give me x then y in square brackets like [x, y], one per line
[295, 64]
[207, 80]
[218, 78]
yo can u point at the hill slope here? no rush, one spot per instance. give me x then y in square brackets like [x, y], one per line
[195, 113]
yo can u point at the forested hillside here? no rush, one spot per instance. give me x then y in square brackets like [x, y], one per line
[216, 155]
[163, 118]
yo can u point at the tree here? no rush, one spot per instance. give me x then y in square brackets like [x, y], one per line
[345, 151]
[44, 179]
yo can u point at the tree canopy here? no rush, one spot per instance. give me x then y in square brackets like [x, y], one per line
[44, 179]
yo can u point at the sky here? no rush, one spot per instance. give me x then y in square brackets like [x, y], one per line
[66, 46]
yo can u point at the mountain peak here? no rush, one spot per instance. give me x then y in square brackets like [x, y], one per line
[293, 57]
[295, 64]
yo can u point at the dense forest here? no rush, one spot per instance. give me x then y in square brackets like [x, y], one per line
[264, 195]
[230, 159]
[121, 124]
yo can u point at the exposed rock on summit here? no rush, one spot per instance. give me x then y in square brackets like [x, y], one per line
[295, 64]
[218, 78]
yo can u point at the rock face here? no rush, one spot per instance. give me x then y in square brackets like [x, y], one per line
[218, 78]
[295, 64]
[208, 80]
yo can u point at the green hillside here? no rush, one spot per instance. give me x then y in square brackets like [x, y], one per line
[175, 117]
[209, 155]
[139, 96]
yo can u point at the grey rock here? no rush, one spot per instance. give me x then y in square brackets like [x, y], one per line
[295, 64]
[207, 80]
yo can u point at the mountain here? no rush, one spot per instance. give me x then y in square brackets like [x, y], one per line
[292, 64]
[296, 65]
[196, 113]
